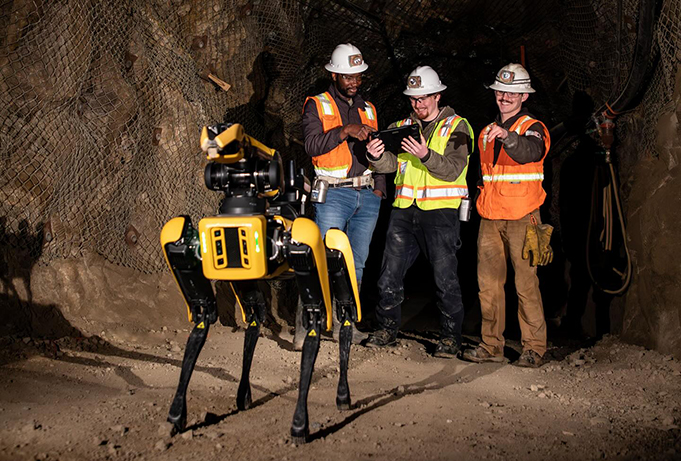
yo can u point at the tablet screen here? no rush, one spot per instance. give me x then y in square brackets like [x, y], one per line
[392, 138]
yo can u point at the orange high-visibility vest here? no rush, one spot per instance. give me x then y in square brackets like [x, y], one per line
[337, 161]
[510, 190]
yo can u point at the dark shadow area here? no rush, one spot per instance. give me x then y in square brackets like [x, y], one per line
[134, 381]
[20, 316]
[440, 380]
[581, 224]
[19, 253]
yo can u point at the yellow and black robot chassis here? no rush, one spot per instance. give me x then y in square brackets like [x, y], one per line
[258, 234]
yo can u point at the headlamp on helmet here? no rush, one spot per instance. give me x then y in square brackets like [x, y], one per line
[512, 78]
[346, 59]
[422, 81]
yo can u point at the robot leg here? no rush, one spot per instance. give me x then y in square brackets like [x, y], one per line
[253, 310]
[346, 293]
[180, 244]
[178, 409]
[306, 255]
[300, 425]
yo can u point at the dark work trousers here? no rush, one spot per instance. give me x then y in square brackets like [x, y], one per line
[436, 234]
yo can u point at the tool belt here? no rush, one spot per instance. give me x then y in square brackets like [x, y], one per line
[356, 182]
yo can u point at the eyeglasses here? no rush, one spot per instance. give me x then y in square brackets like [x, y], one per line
[507, 94]
[352, 77]
[419, 100]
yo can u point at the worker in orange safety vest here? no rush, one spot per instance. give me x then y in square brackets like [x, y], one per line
[512, 152]
[335, 125]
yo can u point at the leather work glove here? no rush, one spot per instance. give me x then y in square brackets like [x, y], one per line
[537, 246]
[544, 232]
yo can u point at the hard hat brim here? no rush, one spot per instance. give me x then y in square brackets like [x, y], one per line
[497, 86]
[355, 70]
[424, 91]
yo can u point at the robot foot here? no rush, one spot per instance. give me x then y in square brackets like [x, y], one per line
[178, 415]
[343, 401]
[243, 397]
[300, 432]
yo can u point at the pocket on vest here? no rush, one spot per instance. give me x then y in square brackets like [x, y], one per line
[513, 189]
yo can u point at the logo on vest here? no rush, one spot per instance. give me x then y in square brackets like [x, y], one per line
[536, 134]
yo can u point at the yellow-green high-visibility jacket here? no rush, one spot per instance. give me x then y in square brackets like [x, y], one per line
[413, 182]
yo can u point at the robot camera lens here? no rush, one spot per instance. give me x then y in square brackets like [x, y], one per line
[216, 176]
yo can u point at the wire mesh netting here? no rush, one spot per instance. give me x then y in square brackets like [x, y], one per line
[101, 102]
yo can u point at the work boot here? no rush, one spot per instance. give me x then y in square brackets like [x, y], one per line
[357, 336]
[447, 348]
[383, 338]
[530, 359]
[480, 355]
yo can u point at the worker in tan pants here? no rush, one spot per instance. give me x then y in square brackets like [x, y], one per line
[512, 151]
[497, 240]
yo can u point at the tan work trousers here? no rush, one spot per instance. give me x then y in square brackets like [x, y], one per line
[499, 240]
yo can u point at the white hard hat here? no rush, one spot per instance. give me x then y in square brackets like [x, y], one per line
[423, 80]
[512, 78]
[346, 59]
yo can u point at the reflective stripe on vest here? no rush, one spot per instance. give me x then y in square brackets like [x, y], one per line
[431, 193]
[338, 161]
[369, 111]
[413, 182]
[510, 190]
[327, 105]
[514, 177]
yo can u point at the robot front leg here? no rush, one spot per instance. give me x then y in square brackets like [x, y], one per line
[178, 409]
[253, 310]
[306, 255]
[180, 244]
[344, 344]
[346, 293]
[313, 321]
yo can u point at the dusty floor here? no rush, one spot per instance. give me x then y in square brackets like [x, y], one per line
[108, 399]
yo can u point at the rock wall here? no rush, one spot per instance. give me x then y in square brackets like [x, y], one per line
[652, 306]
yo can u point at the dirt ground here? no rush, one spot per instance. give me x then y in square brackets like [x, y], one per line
[107, 398]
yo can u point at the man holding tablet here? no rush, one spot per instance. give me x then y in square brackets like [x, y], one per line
[429, 185]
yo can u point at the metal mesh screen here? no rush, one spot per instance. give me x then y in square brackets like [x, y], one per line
[101, 102]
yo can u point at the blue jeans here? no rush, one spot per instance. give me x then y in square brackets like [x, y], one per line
[354, 212]
[436, 234]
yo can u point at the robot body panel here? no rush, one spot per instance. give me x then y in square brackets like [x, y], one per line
[233, 247]
[181, 253]
[337, 240]
[304, 231]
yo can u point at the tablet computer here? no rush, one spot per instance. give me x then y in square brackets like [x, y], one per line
[392, 138]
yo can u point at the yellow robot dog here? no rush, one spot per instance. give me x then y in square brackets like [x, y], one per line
[258, 234]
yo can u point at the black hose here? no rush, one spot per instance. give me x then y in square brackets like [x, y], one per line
[640, 69]
[641, 58]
